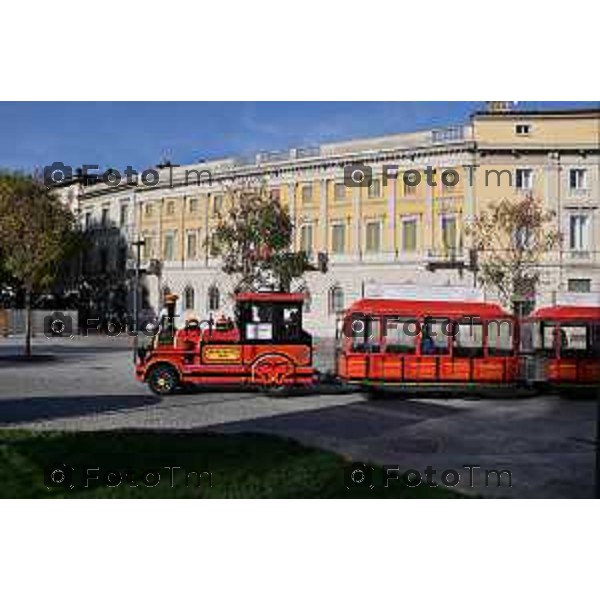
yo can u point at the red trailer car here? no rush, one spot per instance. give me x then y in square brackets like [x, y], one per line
[428, 345]
[563, 343]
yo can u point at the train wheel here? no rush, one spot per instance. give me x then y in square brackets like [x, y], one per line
[163, 380]
[277, 391]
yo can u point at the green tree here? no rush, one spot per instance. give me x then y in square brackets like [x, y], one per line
[253, 238]
[511, 238]
[37, 233]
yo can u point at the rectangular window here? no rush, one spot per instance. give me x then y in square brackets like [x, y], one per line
[105, 214]
[373, 237]
[148, 248]
[171, 208]
[500, 338]
[523, 238]
[217, 204]
[124, 215]
[214, 246]
[375, 188]
[340, 192]
[338, 238]
[577, 179]
[148, 209]
[366, 335]
[192, 243]
[307, 194]
[524, 179]
[435, 337]
[579, 232]
[169, 246]
[409, 190]
[194, 205]
[275, 194]
[306, 238]
[469, 339]
[573, 340]
[580, 285]
[400, 336]
[409, 235]
[449, 232]
[88, 220]
[522, 129]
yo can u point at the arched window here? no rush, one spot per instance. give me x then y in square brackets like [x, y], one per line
[214, 298]
[336, 299]
[188, 298]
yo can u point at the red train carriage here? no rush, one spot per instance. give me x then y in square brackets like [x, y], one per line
[563, 343]
[431, 345]
[266, 346]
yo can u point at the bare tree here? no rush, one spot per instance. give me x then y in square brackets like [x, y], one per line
[511, 238]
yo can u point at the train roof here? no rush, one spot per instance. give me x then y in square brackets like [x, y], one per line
[567, 313]
[412, 308]
[269, 297]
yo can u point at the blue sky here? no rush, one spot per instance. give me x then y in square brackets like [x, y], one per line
[117, 134]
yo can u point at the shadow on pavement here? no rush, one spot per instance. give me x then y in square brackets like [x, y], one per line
[357, 421]
[29, 410]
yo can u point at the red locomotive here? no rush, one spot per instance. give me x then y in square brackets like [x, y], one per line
[265, 346]
[431, 345]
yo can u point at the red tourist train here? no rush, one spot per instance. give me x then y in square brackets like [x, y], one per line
[410, 345]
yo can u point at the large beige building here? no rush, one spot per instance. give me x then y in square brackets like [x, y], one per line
[389, 231]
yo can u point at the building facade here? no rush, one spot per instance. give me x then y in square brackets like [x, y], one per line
[394, 230]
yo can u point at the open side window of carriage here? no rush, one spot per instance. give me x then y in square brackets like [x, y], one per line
[436, 336]
[365, 334]
[469, 339]
[401, 335]
[567, 340]
[500, 337]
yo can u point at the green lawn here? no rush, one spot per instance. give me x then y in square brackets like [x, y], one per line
[240, 466]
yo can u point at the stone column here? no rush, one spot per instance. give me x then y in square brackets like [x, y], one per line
[292, 209]
[392, 223]
[357, 222]
[428, 236]
[323, 241]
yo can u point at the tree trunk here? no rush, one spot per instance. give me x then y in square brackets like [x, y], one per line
[28, 322]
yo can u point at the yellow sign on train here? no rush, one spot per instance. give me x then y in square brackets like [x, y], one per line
[222, 354]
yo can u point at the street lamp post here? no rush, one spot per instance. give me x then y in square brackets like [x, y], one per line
[136, 286]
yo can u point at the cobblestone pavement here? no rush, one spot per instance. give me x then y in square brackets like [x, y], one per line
[88, 384]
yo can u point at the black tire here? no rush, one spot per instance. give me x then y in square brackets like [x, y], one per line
[374, 392]
[163, 380]
[277, 391]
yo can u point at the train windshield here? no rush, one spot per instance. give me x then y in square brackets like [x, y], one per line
[275, 322]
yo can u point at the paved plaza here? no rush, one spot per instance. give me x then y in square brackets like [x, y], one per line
[88, 384]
